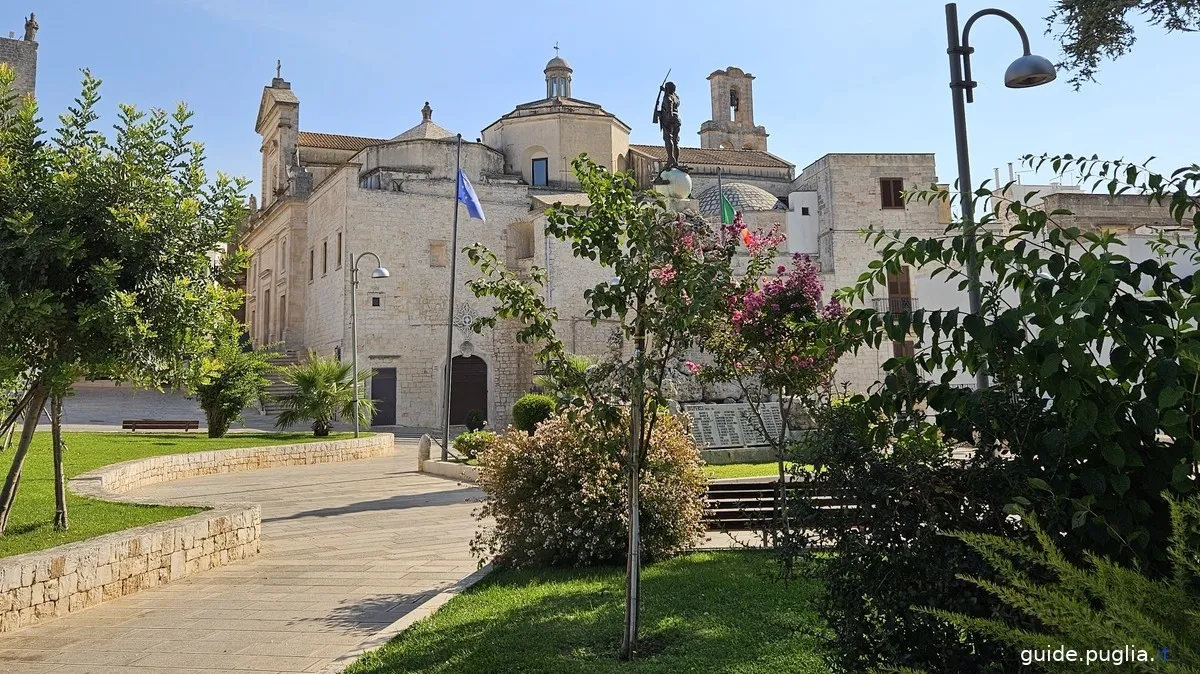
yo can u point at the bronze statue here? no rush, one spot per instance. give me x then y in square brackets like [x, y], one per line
[666, 115]
[31, 28]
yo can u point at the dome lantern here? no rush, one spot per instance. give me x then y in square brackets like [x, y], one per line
[558, 76]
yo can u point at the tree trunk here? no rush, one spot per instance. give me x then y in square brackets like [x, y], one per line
[10, 422]
[60, 482]
[633, 553]
[218, 424]
[32, 414]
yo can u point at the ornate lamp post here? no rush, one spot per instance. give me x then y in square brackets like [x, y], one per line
[378, 272]
[1028, 70]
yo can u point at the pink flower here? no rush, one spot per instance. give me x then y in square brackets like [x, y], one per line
[694, 368]
[782, 269]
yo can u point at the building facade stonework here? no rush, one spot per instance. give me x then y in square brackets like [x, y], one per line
[328, 198]
[21, 53]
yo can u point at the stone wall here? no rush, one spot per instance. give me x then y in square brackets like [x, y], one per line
[39, 586]
[22, 56]
[847, 188]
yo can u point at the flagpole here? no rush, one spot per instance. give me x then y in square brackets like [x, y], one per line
[450, 314]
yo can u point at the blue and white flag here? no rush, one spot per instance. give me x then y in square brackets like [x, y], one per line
[466, 194]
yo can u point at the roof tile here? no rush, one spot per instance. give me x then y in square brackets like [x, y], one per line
[333, 141]
[715, 156]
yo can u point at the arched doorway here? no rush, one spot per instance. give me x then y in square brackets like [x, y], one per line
[468, 388]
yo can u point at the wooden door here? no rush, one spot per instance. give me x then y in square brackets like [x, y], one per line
[383, 392]
[468, 388]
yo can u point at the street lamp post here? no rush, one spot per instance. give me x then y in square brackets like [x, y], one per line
[378, 272]
[1027, 71]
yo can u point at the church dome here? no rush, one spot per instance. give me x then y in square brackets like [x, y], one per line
[743, 197]
[558, 62]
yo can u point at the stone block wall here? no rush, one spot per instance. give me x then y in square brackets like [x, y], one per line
[42, 585]
[22, 56]
[39, 586]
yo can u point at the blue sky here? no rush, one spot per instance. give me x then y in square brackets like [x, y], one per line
[858, 76]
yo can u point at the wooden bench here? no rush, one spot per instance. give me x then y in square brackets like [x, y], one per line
[160, 424]
[752, 505]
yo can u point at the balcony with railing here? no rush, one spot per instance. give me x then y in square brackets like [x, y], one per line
[895, 305]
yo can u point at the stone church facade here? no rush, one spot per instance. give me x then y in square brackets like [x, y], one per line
[326, 199]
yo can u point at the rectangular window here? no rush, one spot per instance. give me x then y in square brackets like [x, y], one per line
[324, 258]
[312, 264]
[282, 314]
[267, 316]
[283, 256]
[903, 349]
[900, 297]
[900, 285]
[891, 192]
[804, 210]
[376, 301]
[338, 264]
[541, 171]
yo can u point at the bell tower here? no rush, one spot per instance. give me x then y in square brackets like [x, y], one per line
[732, 124]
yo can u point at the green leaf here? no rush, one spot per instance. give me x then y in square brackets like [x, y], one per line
[1114, 455]
[1040, 485]
[1078, 519]
[1169, 397]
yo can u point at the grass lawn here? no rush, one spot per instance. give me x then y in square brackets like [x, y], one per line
[31, 523]
[769, 469]
[703, 612]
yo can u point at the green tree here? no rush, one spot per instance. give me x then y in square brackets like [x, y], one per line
[1092, 30]
[229, 379]
[1100, 353]
[108, 250]
[668, 271]
[322, 391]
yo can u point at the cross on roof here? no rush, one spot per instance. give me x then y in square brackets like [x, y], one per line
[556, 49]
[278, 67]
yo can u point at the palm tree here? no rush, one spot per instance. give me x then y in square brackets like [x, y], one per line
[569, 383]
[322, 391]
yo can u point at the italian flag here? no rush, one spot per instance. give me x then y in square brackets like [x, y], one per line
[726, 210]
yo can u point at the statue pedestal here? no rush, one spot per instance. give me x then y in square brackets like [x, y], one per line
[683, 205]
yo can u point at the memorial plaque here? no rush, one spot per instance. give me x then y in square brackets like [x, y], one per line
[718, 426]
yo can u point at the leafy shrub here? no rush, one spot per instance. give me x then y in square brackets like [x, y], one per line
[228, 380]
[532, 409]
[897, 558]
[1104, 607]
[557, 497]
[469, 444]
[476, 419]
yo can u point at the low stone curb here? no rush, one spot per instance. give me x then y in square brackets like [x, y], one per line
[456, 471]
[39, 586]
[422, 611]
[451, 469]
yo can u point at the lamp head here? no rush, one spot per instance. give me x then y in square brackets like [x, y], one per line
[1030, 70]
[380, 272]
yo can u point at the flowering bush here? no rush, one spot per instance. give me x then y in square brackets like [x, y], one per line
[557, 497]
[471, 443]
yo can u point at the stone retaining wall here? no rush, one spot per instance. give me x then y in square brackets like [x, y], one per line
[38, 586]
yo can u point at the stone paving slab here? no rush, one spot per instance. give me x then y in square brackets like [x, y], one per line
[347, 550]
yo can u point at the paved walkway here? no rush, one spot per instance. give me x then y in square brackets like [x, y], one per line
[347, 549]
